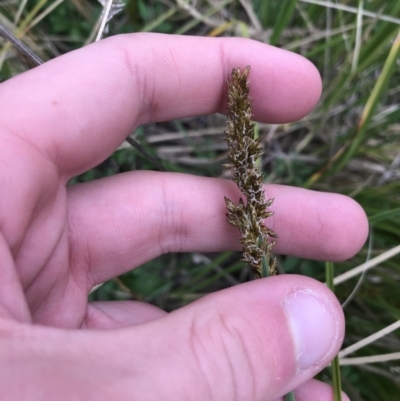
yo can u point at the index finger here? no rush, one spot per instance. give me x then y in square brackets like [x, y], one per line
[79, 107]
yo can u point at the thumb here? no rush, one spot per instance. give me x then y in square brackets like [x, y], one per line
[255, 341]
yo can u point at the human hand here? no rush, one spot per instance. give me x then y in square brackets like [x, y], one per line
[56, 243]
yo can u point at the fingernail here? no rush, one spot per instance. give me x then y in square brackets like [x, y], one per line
[313, 326]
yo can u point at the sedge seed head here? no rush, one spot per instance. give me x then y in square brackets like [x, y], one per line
[244, 149]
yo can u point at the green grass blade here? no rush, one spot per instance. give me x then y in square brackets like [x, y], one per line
[376, 94]
[357, 45]
[376, 43]
[290, 397]
[350, 148]
[387, 214]
[282, 19]
[159, 20]
[337, 386]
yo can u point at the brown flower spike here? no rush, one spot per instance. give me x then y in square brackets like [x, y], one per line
[243, 151]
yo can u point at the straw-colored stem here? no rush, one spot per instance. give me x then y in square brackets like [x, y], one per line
[104, 21]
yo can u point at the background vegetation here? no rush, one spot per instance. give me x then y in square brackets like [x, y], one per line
[350, 144]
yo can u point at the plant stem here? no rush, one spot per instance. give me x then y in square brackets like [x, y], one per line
[290, 396]
[145, 153]
[337, 386]
[20, 46]
[106, 13]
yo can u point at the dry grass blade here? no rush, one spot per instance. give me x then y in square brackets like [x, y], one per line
[252, 15]
[20, 47]
[21, 8]
[110, 9]
[370, 339]
[363, 360]
[367, 265]
[116, 6]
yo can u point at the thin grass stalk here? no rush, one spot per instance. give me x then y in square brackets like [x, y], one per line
[145, 153]
[327, 52]
[357, 46]
[337, 385]
[363, 274]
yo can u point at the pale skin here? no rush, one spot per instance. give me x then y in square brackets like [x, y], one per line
[66, 116]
